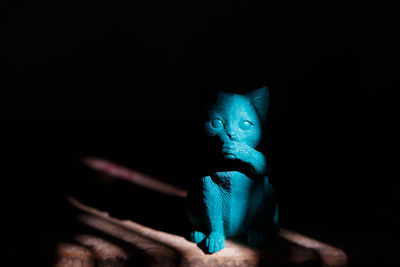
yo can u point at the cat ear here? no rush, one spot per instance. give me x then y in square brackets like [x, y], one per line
[260, 100]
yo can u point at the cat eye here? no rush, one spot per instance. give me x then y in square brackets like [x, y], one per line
[217, 123]
[245, 125]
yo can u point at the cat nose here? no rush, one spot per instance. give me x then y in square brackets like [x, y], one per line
[232, 135]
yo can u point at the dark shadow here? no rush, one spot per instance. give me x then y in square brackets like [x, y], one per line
[285, 253]
[125, 200]
[36, 231]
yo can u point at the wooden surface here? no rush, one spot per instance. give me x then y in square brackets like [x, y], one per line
[112, 242]
[107, 241]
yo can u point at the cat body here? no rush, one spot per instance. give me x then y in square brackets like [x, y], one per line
[234, 197]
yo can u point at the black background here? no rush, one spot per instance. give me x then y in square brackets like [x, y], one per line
[124, 81]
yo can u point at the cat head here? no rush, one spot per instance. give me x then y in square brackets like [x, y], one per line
[238, 117]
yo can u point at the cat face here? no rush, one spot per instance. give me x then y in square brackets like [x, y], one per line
[234, 117]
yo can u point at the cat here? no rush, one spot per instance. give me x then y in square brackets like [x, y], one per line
[234, 197]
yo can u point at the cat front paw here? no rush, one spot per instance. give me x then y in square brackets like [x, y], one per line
[215, 241]
[197, 236]
[236, 150]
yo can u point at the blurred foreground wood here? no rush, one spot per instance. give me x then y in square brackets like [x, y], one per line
[126, 243]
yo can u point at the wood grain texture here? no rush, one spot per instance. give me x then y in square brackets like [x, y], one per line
[126, 243]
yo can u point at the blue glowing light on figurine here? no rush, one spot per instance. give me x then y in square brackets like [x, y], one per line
[234, 198]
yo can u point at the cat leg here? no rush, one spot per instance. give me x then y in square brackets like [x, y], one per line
[265, 226]
[197, 235]
[255, 238]
[214, 201]
[255, 233]
[261, 234]
[215, 241]
[262, 229]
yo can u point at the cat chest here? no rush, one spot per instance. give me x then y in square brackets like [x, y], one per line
[236, 192]
[232, 181]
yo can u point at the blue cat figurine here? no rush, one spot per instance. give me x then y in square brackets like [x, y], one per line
[234, 197]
